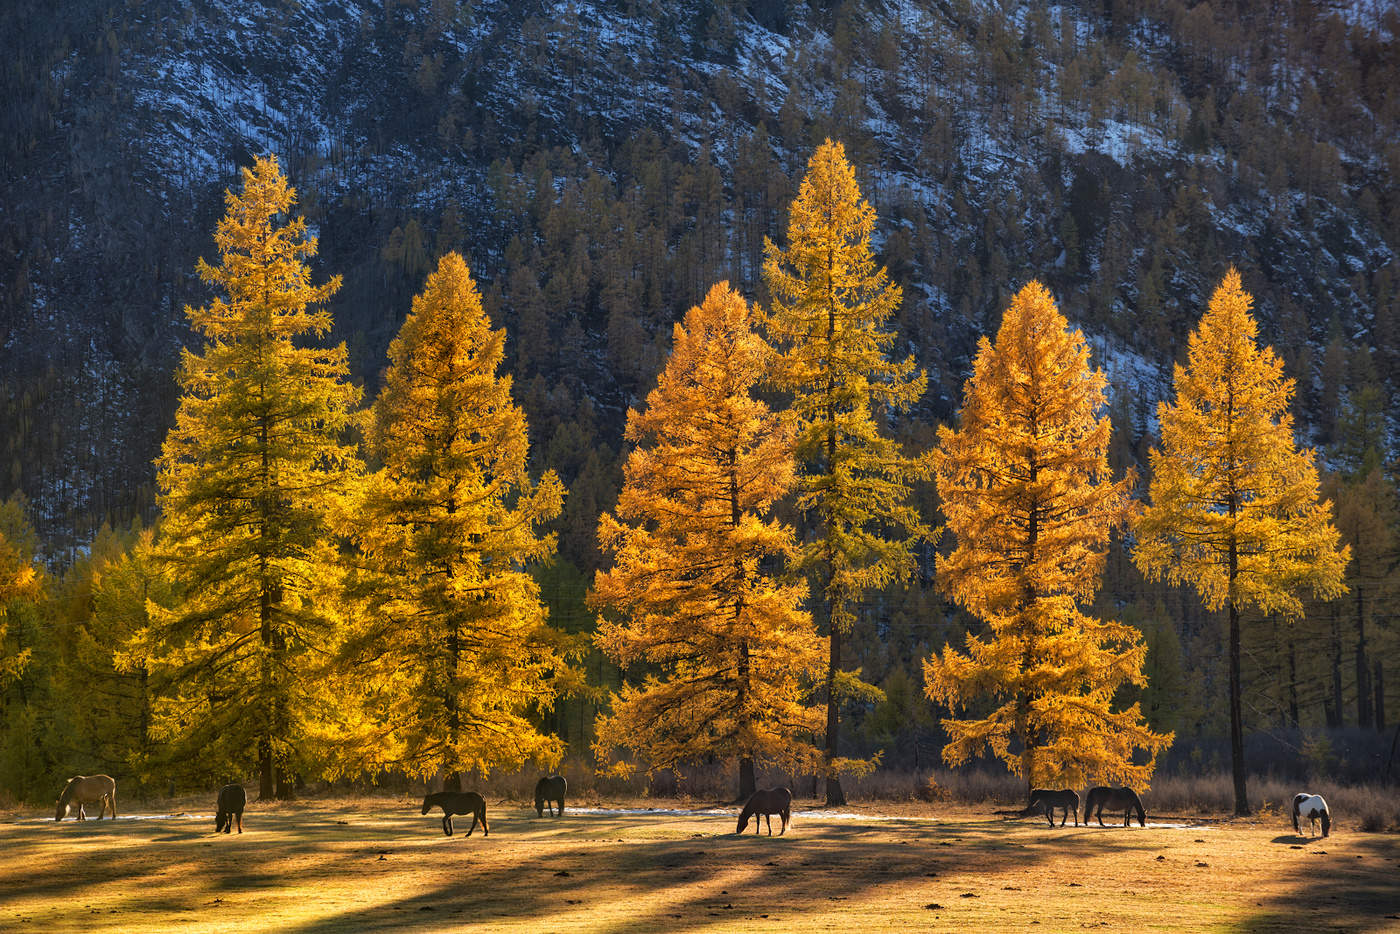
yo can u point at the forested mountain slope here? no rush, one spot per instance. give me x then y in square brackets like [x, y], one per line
[601, 164]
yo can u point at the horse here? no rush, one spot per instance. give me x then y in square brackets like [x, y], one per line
[458, 802]
[88, 789]
[232, 799]
[1314, 809]
[549, 791]
[1124, 799]
[1049, 800]
[765, 803]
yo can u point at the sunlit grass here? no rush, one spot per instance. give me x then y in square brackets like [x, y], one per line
[376, 863]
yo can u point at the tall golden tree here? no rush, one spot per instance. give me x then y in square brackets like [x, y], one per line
[1235, 510]
[830, 309]
[248, 477]
[694, 589]
[455, 655]
[1025, 484]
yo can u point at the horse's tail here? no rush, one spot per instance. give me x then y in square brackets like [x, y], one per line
[1326, 822]
[1137, 803]
[481, 815]
[112, 797]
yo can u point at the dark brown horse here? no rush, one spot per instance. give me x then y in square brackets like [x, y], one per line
[1115, 799]
[550, 791]
[232, 800]
[458, 802]
[88, 789]
[1049, 800]
[765, 803]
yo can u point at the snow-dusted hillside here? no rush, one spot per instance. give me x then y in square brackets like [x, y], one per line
[1127, 159]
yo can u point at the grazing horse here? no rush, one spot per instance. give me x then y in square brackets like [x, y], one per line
[458, 802]
[1115, 799]
[1314, 809]
[88, 789]
[1049, 800]
[232, 799]
[765, 803]
[550, 791]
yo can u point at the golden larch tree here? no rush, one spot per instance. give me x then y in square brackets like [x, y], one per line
[455, 655]
[1025, 484]
[695, 589]
[1235, 510]
[831, 306]
[249, 476]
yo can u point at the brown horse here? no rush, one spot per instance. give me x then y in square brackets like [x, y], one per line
[765, 803]
[550, 791]
[88, 789]
[1049, 800]
[232, 800]
[458, 802]
[1115, 799]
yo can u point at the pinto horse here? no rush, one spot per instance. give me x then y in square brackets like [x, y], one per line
[550, 791]
[458, 802]
[1115, 799]
[765, 803]
[1315, 810]
[88, 789]
[1049, 800]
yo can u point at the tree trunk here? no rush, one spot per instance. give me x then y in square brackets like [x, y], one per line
[1380, 697]
[1363, 670]
[1236, 723]
[746, 779]
[834, 795]
[266, 790]
[1335, 720]
[1292, 684]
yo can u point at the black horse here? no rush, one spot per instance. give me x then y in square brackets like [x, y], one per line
[232, 800]
[1049, 800]
[765, 803]
[1115, 799]
[550, 791]
[458, 802]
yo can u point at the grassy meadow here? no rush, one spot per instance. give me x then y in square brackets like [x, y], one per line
[369, 864]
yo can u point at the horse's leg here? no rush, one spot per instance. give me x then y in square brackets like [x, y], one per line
[238, 815]
[447, 823]
[769, 819]
[485, 827]
[784, 817]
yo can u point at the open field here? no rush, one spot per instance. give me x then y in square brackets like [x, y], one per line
[376, 864]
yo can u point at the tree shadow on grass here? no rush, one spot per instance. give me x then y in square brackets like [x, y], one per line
[1350, 884]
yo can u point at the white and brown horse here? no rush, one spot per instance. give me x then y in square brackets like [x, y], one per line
[1315, 810]
[88, 789]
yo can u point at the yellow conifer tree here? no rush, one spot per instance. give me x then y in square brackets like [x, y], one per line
[249, 476]
[455, 654]
[1025, 484]
[693, 589]
[831, 305]
[1235, 510]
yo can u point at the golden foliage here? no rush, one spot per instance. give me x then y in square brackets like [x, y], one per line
[454, 655]
[1025, 483]
[830, 309]
[693, 589]
[1235, 509]
[21, 582]
[248, 477]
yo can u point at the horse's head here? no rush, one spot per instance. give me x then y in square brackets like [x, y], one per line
[427, 805]
[743, 822]
[62, 810]
[539, 805]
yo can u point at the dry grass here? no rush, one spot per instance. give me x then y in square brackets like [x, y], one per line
[375, 863]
